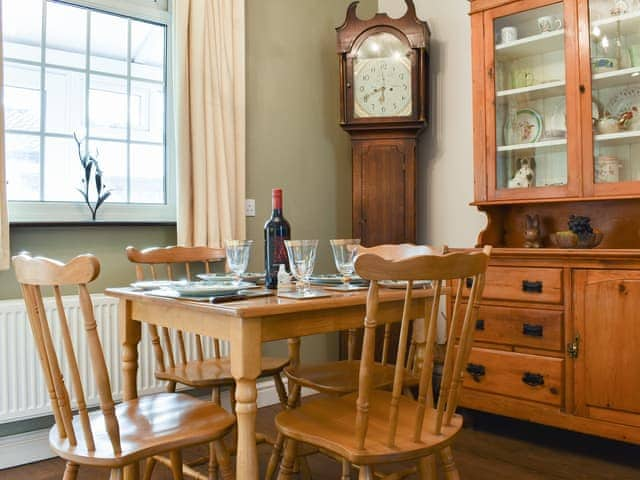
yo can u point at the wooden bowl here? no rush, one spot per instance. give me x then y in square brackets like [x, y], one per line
[564, 239]
[593, 241]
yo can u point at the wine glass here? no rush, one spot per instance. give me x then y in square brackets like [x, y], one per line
[238, 252]
[344, 252]
[302, 257]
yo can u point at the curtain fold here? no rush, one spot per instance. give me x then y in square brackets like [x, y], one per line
[210, 120]
[4, 217]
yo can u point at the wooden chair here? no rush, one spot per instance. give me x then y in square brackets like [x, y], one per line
[375, 426]
[341, 377]
[172, 363]
[114, 436]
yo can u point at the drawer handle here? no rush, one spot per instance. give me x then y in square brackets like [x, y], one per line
[531, 287]
[479, 324]
[532, 330]
[533, 379]
[469, 282]
[476, 371]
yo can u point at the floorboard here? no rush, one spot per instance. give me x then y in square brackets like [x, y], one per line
[488, 448]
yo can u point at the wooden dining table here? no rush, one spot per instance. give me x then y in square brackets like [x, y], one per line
[246, 324]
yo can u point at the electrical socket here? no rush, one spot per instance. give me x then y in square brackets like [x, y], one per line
[250, 207]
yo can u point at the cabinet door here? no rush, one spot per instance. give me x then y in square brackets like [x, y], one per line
[611, 70]
[607, 368]
[384, 178]
[532, 106]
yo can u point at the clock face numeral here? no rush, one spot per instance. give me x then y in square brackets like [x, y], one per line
[383, 87]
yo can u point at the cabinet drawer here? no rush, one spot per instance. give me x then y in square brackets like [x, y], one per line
[543, 285]
[519, 375]
[521, 327]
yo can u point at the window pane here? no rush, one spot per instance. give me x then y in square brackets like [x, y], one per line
[112, 158]
[108, 107]
[147, 51]
[22, 97]
[23, 167]
[63, 172]
[65, 101]
[22, 29]
[147, 112]
[66, 35]
[147, 173]
[109, 38]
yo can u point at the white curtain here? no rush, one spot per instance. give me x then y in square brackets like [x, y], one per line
[209, 100]
[4, 219]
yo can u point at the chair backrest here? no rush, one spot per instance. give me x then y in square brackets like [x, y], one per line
[34, 274]
[418, 325]
[405, 263]
[166, 263]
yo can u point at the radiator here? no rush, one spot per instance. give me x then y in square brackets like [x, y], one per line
[23, 392]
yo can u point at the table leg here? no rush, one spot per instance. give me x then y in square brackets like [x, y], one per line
[246, 338]
[130, 332]
[293, 345]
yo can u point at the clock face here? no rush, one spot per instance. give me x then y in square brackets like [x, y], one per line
[382, 87]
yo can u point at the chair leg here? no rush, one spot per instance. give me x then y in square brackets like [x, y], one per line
[176, 464]
[282, 392]
[116, 474]
[303, 466]
[286, 467]
[427, 469]
[448, 465]
[212, 466]
[171, 387]
[70, 471]
[221, 453]
[150, 464]
[215, 396]
[366, 473]
[276, 453]
[346, 470]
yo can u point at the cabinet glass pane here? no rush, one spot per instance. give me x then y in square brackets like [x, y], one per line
[531, 130]
[615, 69]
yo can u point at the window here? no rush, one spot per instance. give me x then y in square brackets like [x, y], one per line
[94, 70]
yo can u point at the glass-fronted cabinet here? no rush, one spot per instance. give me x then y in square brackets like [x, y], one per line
[614, 58]
[531, 138]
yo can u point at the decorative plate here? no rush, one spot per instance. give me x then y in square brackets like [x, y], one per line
[624, 101]
[205, 289]
[525, 127]
[156, 284]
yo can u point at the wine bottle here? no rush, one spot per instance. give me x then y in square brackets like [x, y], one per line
[276, 231]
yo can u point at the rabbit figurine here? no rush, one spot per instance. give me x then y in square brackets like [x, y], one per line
[532, 232]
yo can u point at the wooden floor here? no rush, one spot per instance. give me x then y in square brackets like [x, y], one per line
[493, 448]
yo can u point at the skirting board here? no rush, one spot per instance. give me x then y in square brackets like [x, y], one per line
[29, 447]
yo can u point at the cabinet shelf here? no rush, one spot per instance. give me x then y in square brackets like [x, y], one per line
[532, 45]
[543, 90]
[615, 78]
[628, 23]
[525, 146]
[618, 138]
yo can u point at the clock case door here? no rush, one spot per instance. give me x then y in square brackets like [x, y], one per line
[413, 34]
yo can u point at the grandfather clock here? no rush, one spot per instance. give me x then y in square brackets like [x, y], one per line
[383, 106]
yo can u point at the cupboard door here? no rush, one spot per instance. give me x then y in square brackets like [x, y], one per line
[612, 65]
[531, 100]
[608, 364]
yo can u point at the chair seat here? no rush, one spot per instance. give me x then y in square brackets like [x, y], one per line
[212, 372]
[148, 426]
[341, 377]
[329, 423]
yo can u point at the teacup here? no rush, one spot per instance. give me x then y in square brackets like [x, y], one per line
[549, 23]
[508, 34]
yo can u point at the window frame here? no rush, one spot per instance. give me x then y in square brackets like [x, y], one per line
[155, 11]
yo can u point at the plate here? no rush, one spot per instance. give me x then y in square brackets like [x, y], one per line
[215, 277]
[335, 279]
[626, 100]
[156, 284]
[308, 295]
[255, 277]
[403, 283]
[206, 289]
[525, 127]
